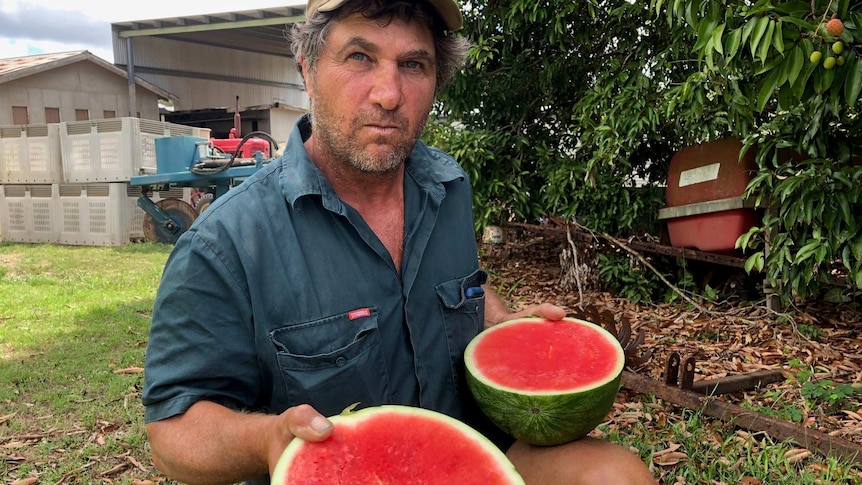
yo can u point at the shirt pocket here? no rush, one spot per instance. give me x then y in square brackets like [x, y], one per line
[333, 362]
[462, 303]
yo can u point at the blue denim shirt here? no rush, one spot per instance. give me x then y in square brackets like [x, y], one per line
[280, 294]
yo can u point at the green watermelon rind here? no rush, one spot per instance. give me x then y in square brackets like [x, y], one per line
[546, 418]
[348, 417]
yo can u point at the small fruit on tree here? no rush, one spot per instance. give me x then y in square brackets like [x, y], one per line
[835, 27]
[829, 62]
[840, 60]
[815, 57]
[838, 47]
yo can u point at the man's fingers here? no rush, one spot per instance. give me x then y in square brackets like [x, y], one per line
[305, 422]
[549, 311]
[545, 310]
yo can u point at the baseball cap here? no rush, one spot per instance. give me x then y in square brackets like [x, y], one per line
[447, 9]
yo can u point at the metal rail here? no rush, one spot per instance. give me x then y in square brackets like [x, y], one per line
[745, 418]
[641, 246]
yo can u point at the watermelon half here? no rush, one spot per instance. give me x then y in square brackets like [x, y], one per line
[545, 382]
[396, 445]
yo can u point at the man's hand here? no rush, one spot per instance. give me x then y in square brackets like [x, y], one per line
[301, 421]
[210, 443]
[545, 310]
[496, 311]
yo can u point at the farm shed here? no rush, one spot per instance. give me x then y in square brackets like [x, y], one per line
[70, 86]
[217, 64]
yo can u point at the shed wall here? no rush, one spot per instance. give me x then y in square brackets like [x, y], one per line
[78, 86]
[205, 77]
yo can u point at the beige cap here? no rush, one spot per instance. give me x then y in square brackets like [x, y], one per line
[448, 10]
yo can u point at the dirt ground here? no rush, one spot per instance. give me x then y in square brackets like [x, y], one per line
[817, 342]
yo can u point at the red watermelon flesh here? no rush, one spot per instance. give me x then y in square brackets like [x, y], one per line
[545, 356]
[396, 445]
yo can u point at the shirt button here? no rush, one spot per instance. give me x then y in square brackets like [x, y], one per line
[339, 362]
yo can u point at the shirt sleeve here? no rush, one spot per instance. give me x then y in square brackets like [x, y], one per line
[201, 345]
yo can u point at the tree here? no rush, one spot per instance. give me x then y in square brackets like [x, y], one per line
[790, 87]
[564, 104]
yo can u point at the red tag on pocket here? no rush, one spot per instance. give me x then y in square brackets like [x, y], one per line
[359, 313]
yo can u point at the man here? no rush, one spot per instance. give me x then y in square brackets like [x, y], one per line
[339, 273]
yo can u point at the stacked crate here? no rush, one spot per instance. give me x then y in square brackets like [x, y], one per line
[68, 182]
[30, 172]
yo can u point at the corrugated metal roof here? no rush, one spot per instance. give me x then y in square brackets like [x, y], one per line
[259, 30]
[20, 67]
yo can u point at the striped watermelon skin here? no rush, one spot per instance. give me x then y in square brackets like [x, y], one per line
[545, 415]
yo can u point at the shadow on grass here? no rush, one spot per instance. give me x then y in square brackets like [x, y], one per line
[72, 401]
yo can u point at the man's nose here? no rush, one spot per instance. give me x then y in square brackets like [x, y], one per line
[386, 90]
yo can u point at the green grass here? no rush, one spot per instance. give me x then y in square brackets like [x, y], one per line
[71, 317]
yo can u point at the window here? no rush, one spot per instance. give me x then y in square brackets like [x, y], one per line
[109, 114]
[20, 115]
[82, 115]
[52, 115]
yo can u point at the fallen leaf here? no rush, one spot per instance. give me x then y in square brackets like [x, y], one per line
[796, 455]
[129, 370]
[669, 459]
[14, 445]
[25, 481]
[7, 417]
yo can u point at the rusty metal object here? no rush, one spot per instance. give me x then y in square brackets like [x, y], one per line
[745, 418]
[646, 247]
[680, 372]
[741, 382]
[631, 347]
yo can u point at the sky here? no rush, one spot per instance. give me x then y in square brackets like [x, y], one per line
[29, 27]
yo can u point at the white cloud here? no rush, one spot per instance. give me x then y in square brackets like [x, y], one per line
[49, 26]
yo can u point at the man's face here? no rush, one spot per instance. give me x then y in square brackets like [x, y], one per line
[371, 91]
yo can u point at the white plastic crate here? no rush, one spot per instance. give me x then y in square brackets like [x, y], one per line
[28, 213]
[114, 150]
[30, 154]
[93, 214]
[136, 217]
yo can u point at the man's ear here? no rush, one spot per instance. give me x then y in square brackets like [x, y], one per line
[306, 76]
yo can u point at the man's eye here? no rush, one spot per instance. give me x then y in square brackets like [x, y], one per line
[358, 56]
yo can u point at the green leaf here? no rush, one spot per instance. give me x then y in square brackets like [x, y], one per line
[823, 80]
[766, 42]
[802, 24]
[778, 38]
[807, 251]
[770, 83]
[857, 248]
[755, 261]
[709, 57]
[704, 33]
[748, 28]
[795, 63]
[716, 39]
[796, 8]
[731, 45]
[808, 68]
[759, 29]
[853, 83]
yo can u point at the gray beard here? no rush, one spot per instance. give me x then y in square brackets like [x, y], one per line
[345, 150]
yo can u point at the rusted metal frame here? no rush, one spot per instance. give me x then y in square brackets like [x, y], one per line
[737, 415]
[662, 249]
[741, 382]
[680, 372]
